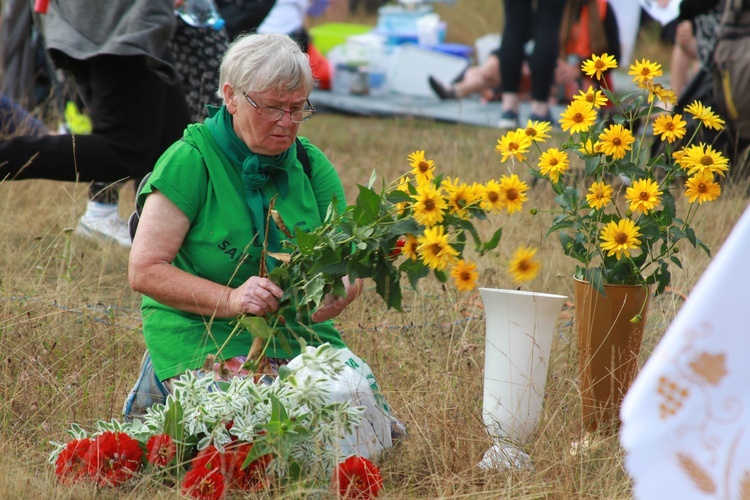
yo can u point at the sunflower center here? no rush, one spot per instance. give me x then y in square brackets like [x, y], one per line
[429, 205]
[702, 188]
[616, 141]
[578, 118]
[599, 64]
[621, 238]
[553, 162]
[669, 126]
[531, 132]
[524, 265]
[512, 146]
[707, 161]
[599, 195]
[436, 248]
[645, 72]
[512, 194]
[493, 196]
[465, 276]
[644, 196]
[423, 166]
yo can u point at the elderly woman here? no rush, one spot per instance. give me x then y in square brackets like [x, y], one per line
[196, 256]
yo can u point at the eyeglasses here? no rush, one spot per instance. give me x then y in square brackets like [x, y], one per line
[275, 114]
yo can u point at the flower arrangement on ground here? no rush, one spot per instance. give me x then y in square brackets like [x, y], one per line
[628, 239]
[212, 437]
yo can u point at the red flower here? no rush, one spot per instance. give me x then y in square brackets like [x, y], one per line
[357, 477]
[113, 458]
[397, 249]
[208, 458]
[203, 484]
[70, 465]
[161, 449]
[253, 477]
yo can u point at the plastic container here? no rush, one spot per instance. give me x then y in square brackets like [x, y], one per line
[398, 19]
[201, 14]
[329, 35]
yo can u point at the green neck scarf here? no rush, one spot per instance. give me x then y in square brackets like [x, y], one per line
[257, 170]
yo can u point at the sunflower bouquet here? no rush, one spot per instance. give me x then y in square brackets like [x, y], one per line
[618, 216]
[419, 224]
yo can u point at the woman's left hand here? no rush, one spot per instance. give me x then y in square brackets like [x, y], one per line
[333, 305]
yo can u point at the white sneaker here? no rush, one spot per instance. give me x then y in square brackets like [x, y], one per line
[101, 221]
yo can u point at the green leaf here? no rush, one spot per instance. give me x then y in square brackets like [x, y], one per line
[305, 241]
[256, 325]
[492, 243]
[259, 449]
[367, 207]
[387, 285]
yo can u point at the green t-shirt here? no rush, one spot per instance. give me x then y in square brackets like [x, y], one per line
[221, 246]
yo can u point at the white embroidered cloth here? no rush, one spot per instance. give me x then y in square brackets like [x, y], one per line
[686, 418]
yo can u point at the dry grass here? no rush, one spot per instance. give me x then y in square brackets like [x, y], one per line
[71, 341]
[70, 335]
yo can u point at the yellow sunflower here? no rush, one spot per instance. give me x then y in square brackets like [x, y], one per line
[514, 144]
[599, 195]
[403, 185]
[644, 71]
[423, 170]
[410, 247]
[597, 65]
[465, 275]
[537, 131]
[643, 195]
[553, 163]
[589, 147]
[705, 115]
[618, 238]
[592, 96]
[703, 158]
[512, 192]
[702, 188]
[523, 266]
[659, 91]
[429, 205]
[578, 117]
[434, 248]
[459, 195]
[670, 127]
[492, 200]
[615, 141]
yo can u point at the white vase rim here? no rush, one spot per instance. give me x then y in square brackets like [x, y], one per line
[525, 293]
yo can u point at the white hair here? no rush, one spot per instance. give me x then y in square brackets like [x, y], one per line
[263, 62]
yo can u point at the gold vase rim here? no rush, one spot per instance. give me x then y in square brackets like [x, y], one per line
[612, 284]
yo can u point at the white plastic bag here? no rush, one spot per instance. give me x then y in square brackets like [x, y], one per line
[356, 384]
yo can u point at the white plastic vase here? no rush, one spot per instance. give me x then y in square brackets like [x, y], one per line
[520, 326]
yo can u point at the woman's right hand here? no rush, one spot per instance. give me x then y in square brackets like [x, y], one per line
[257, 296]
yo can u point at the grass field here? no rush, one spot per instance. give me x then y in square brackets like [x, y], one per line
[71, 342]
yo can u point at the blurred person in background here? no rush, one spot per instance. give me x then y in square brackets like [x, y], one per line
[581, 35]
[117, 54]
[527, 20]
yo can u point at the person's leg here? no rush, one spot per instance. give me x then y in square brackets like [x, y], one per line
[16, 120]
[515, 35]
[479, 78]
[547, 19]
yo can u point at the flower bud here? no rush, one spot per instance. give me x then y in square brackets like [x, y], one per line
[636, 319]
[533, 211]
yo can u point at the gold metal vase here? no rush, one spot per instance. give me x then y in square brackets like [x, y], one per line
[610, 333]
